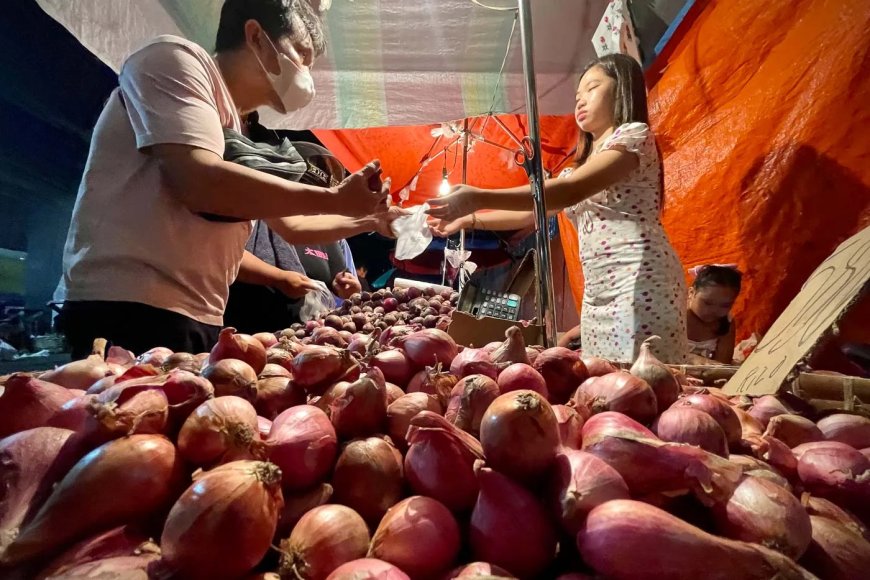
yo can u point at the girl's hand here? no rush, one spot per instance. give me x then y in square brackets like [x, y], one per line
[445, 229]
[461, 201]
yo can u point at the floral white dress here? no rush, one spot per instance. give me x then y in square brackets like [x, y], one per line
[634, 284]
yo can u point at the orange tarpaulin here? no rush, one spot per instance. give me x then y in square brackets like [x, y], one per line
[761, 112]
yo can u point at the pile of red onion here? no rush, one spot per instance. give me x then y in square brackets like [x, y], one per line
[369, 444]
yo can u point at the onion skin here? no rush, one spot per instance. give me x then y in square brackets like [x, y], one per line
[793, 430]
[119, 412]
[367, 569]
[719, 410]
[520, 376]
[776, 453]
[469, 400]
[749, 425]
[629, 539]
[762, 512]
[120, 542]
[303, 444]
[440, 462]
[365, 465]
[570, 426]
[621, 392]
[143, 473]
[563, 370]
[836, 552]
[817, 506]
[473, 361]
[758, 468]
[692, 426]
[419, 535]
[75, 415]
[657, 375]
[325, 538]
[220, 430]
[239, 346]
[223, 525]
[853, 430]
[582, 482]
[433, 382]
[519, 434]
[133, 567]
[395, 365]
[27, 403]
[524, 546]
[429, 347]
[402, 410]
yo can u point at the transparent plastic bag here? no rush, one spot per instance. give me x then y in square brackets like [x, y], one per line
[412, 233]
[317, 303]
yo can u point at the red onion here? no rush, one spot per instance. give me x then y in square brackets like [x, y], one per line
[631, 539]
[363, 466]
[693, 426]
[267, 339]
[220, 430]
[762, 512]
[75, 414]
[232, 377]
[182, 360]
[361, 410]
[477, 570]
[509, 527]
[852, 430]
[656, 374]
[581, 482]
[31, 462]
[78, 374]
[469, 400]
[326, 335]
[318, 367]
[138, 371]
[393, 393]
[428, 347]
[758, 468]
[142, 473]
[433, 382]
[491, 347]
[121, 411]
[303, 444]
[650, 466]
[419, 535]
[402, 410]
[836, 552]
[440, 461]
[298, 504]
[276, 394]
[324, 539]
[395, 365]
[817, 506]
[520, 376]
[598, 367]
[793, 430]
[563, 371]
[393, 333]
[621, 392]
[513, 349]
[120, 542]
[264, 426]
[520, 435]
[360, 344]
[156, 356]
[776, 453]
[719, 410]
[766, 407]
[367, 569]
[836, 472]
[570, 426]
[273, 371]
[749, 425]
[239, 346]
[280, 356]
[138, 565]
[223, 525]
[27, 403]
[473, 361]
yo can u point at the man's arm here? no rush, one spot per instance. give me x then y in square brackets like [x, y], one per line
[253, 270]
[324, 229]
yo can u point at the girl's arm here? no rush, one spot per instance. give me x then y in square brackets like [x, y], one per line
[725, 347]
[599, 172]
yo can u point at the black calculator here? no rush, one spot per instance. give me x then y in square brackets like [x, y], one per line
[485, 302]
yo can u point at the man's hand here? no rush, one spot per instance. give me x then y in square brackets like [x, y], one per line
[295, 285]
[345, 285]
[385, 220]
[462, 201]
[354, 195]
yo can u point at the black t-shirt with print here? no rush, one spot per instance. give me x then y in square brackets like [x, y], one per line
[321, 261]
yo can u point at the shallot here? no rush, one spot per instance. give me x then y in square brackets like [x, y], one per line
[563, 370]
[366, 465]
[692, 426]
[581, 482]
[469, 400]
[324, 538]
[402, 410]
[621, 392]
[513, 349]
[244, 347]
[220, 430]
[852, 430]
[232, 377]
[303, 444]
[793, 430]
[27, 403]
[473, 361]
[656, 374]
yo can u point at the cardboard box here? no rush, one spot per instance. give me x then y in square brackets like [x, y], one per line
[469, 330]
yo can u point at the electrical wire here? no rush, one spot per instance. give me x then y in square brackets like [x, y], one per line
[496, 8]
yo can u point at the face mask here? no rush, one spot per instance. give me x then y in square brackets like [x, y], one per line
[293, 85]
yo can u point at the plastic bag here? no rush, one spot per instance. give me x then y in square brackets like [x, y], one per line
[412, 233]
[744, 348]
[316, 303]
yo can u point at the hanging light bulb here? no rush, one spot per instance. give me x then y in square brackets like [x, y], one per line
[444, 188]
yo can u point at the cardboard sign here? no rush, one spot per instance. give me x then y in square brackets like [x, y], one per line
[830, 290]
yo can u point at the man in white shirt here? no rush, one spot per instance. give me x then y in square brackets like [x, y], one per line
[161, 220]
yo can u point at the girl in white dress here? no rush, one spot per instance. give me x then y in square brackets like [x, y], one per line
[634, 283]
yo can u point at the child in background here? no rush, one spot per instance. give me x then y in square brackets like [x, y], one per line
[709, 325]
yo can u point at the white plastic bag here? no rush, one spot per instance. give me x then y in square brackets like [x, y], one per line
[317, 303]
[412, 233]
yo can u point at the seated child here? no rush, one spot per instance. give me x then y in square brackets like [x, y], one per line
[708, 323]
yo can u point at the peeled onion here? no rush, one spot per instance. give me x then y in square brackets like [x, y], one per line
[366, 465]
[78, 374]
[793, 430]
[324, 538]
[563, 370]
[239, 346]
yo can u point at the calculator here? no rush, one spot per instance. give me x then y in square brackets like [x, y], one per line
[485, 302]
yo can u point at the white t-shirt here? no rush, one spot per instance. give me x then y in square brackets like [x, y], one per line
[130, 239]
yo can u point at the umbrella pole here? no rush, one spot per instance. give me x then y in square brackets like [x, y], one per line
[464, 182]
[534, 168]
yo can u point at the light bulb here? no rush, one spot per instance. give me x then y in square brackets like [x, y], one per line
[444, 188]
